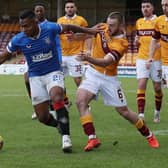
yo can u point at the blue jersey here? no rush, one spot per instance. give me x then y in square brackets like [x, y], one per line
[58, 45]
[41, 53]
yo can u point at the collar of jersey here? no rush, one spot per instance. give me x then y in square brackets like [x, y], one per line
[67, 17]
[153, 17]
[166, 18]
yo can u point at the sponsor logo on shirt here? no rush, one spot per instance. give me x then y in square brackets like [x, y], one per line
[145, 32]
[42, 57]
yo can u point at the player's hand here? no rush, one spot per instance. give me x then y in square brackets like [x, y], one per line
[70, 36]
[136, 41]
[83, 56]
[148, 63]
[98, 28]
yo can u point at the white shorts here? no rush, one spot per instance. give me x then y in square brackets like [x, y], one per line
[72, 67]
[41, 85]
[108, 86]
[165, 72]
[154, 72]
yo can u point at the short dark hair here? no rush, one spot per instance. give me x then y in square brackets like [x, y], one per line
[40, 4]
[147, 1]
[69, 1]
[26, 14]
[116, 15]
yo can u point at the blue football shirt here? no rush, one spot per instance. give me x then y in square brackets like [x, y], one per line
[41, 53]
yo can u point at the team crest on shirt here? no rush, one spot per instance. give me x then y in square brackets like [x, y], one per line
[47, 40]
[28, 46]
[162, 27]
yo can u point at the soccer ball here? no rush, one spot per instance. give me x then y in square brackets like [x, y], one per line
[1, 142]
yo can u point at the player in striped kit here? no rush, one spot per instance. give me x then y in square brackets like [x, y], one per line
[70, 49]
[161, 35]
[145, 29]
[108, 48]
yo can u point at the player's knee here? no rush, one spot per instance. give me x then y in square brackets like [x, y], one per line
[57, 95]
[81, 103]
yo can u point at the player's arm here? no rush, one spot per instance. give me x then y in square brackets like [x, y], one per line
[103, 62]
[136, 41]
[153, 46]
[83, 35]
[78, 36]
[79, 29]
[5, 55]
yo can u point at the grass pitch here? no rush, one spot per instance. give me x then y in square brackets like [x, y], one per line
[30, 144]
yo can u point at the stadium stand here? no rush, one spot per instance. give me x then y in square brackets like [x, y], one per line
[7, 31]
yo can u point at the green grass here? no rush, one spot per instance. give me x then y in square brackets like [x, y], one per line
[30, 144]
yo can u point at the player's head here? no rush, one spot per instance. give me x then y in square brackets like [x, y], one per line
[147, 8]
[39, 10]
[164, 4]
[70, 8]
[115, 23]
[28, 23]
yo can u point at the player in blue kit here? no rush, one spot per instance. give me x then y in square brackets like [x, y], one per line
[39, 10]
[37, 43]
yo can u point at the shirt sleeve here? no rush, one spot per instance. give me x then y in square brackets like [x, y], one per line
[12, 47]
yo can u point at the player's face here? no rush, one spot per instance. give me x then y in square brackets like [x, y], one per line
[29, 27]
[147, 9]
[164, 4]
[40, 13]
[113, 26]
[70, 9]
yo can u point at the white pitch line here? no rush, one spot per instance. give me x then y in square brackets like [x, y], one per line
[161, 132]
[12, 95]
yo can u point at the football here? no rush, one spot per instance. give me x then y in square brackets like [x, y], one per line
[1, 142]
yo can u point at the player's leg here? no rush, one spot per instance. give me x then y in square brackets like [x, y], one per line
[142, 77]
[56, 92]
[114, 95]
[27, 84]
[156, 76]
[158, 101]
[65, 60]
[77, 80]
[83, 99]
[62, 114]
[42, 111]
[85, 93]
[40, 100]
[165, 76]
[67, 102]
[141, 98]
[140, 125]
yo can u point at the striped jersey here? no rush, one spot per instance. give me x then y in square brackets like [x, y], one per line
[145, 30]
[117, 46]
[161, 32]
